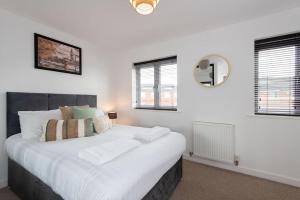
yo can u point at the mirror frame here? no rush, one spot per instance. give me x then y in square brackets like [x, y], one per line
[205, 57]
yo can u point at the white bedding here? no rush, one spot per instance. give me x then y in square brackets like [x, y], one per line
[128, 177]
[106, 152]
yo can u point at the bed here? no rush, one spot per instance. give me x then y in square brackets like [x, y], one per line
[41, 171]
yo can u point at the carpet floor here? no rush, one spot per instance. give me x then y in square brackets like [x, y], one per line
[201, 182]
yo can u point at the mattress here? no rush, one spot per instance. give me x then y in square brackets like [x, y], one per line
[130, 176]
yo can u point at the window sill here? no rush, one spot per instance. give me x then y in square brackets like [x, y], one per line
[157, 110]
[274, 117]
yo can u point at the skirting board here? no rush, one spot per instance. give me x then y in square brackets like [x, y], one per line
[247, 171]
[3, 183]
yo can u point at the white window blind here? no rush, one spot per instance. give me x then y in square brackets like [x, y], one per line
[277, 72]
[155, 84]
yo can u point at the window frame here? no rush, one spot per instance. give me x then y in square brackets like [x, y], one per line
[272, 43]
[156, 64]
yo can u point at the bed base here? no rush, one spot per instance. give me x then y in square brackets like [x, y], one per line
[28, 187]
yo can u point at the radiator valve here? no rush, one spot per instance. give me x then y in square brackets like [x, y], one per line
[236, 160]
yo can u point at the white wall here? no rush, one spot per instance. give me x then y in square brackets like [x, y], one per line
[17, 73]
[268, 147]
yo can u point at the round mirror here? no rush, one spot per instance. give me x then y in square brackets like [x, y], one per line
[212, 71]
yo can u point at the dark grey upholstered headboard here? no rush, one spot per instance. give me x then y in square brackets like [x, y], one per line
[40, 101]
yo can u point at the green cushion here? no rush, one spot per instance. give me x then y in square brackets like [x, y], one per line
[83, 113]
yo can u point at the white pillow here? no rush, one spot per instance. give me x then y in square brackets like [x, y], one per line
[31, 122]
[102, 124]
[99, 113]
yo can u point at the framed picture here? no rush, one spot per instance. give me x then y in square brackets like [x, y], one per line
[54, 55]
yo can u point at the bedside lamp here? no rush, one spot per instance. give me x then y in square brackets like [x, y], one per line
[112, 115]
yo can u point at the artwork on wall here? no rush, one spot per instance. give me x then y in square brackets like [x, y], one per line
[54, 55]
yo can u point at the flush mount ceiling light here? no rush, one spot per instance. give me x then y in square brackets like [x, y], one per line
[144, 7]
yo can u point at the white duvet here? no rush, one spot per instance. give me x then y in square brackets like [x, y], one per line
[128, 177]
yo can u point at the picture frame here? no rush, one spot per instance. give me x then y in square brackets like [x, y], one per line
[54, 55]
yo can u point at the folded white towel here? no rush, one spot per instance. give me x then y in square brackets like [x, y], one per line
[106, 152]
[152, 134]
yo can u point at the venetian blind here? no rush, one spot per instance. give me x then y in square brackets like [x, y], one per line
[277, 72]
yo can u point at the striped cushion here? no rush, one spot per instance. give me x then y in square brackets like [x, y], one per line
[66, 129]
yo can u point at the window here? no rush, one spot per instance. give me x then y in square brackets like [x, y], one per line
[155, 84]
[277, 72]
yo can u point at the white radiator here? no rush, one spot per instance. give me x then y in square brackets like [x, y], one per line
[214, 141]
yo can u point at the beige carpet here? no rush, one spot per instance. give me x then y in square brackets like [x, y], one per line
[202, 182]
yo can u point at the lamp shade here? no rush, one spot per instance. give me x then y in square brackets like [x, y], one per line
[112, 115]
[144, 7]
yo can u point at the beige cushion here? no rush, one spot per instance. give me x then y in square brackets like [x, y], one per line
[67, 113]
[102, 123]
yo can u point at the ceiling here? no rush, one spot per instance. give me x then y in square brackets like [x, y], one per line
[114, 24]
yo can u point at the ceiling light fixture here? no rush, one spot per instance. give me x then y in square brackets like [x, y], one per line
[144, 7]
